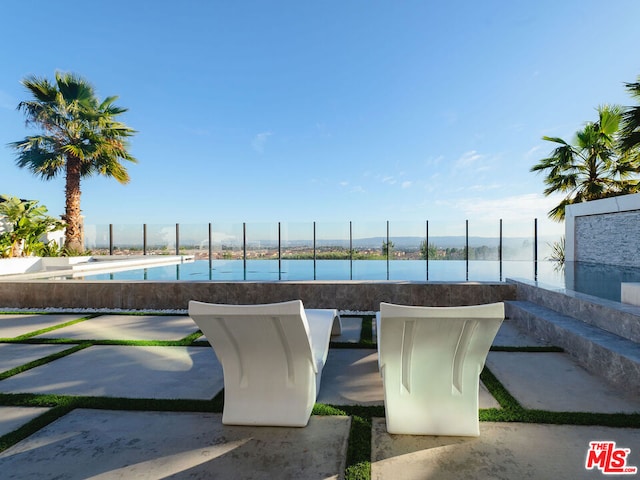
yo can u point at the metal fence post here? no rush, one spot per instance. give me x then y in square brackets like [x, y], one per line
[177, 239]
[314, 250]
[535, 249]
[466, 235]
[244, 248]
[388, 250]
[111, 239]
[144, 238]
[210, 248]
[427, 247]
[279, 253]
[350, 250]
[500, 250]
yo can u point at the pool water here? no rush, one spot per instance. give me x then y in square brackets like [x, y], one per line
[301, 270]
[602, 281]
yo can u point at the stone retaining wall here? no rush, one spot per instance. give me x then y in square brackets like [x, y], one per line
[346, 295]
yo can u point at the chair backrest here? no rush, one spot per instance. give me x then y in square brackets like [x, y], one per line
[250, 340]
[439, 341]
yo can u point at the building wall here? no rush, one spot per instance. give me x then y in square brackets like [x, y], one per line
[604, 231]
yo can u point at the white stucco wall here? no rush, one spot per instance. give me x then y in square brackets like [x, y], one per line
[604, 231]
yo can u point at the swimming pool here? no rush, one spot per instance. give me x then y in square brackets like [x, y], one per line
[301, 270]
[602, 281]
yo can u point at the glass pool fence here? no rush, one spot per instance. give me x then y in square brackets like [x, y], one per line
[342, 250]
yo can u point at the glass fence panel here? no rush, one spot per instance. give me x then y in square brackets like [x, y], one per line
[194, 240]
[369, 248]
[518, 241]
[127, 239]
[408, 242]
[297, 251]
[96, 239]
[161, 239]
[262, 251]
[227, 251]
[484, 250]
[332, 251]
[416, 251]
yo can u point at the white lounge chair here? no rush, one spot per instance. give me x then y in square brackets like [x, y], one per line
[430, 359]
[272, 358]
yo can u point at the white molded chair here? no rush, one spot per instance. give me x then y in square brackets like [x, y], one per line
[430, 359]
[272, 358]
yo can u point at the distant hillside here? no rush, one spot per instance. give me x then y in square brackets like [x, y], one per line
[403, 243]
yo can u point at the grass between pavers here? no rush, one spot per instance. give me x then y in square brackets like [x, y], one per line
[26, 336]
[358, 462]
[42, 361]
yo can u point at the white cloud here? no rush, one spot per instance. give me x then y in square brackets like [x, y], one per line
[532, 151]
[468, 159]
[388, 179]
[407, 184]
[259, 141]
[434, 161]
[515, 208]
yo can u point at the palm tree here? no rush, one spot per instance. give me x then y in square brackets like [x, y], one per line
[630, 132]
[80, 138]
[593, 167]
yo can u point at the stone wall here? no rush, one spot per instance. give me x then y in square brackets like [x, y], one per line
[610, 238]
[604, 231]
[346, 295]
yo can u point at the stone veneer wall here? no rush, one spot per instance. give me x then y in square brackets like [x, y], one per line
[347, 295]
[604, 231]
[609, 238]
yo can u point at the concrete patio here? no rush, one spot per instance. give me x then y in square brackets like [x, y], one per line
[152, 444]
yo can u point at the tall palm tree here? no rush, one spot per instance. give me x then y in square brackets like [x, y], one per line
[81, 137]
[630, 132]
[593, 167]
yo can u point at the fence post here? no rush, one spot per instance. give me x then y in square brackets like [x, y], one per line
[111, 239]
[279, 253]
[466, 235]
[350, 250]
[244, 248]
[535, 249]
[500, 250]
[388, 250]
[314, 250]
[210, 249]
[427, 247]
[144, 238]
[177, 239]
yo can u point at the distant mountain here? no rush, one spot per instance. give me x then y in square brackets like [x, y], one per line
[403, 243]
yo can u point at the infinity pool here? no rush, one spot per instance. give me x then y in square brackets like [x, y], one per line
[272, 270]
[602, 281]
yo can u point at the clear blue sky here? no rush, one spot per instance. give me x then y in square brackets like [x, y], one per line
[294, 111]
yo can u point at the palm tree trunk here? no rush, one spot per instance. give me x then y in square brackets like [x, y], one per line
[73, 235]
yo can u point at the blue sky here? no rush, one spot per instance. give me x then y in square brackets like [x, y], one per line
[329, 111]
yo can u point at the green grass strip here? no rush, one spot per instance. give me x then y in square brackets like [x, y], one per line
[42, 361]
[499, 392]
[32, 427]
[358, 463]
[26, 336]
[190, 339]
[185, 342]
[366, 332]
